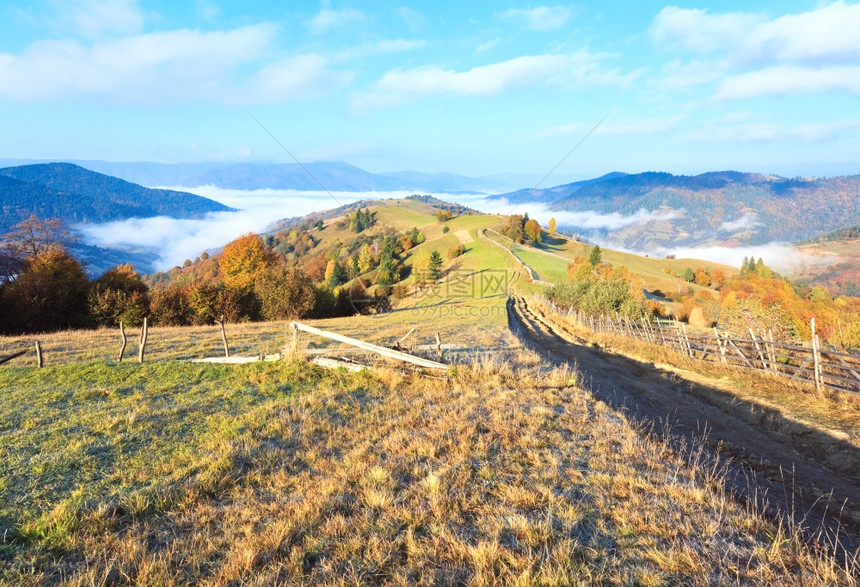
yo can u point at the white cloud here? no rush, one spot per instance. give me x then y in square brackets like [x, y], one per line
[579, 69]
[679, 75]
[94, 18]
[584, 219]
[788, 79]
[165, 67]
[174, 62]
[828, 33]
[696, 30]
[619, 128]
[413, 19]
[744, 129]
[813, 51]
[486, 46]
[744, 222]
[541, 18]
[304, 76]
[327, 18]
[782, 257]
[482, 80]
[379, 48]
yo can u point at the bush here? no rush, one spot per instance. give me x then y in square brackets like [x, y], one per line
[456, 251]
[285, 293]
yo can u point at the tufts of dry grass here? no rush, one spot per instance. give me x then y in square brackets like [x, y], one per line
[505, 473]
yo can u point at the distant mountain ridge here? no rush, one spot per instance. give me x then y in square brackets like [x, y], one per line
[333, 175]
[75, 195]
[724, 207]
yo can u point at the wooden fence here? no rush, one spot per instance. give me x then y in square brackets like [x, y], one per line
[824, 367]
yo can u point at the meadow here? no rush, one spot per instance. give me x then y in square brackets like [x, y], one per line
[170, 472]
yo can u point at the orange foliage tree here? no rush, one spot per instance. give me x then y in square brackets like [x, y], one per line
[243, 260]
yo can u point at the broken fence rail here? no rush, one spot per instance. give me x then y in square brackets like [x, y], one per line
[380, 350]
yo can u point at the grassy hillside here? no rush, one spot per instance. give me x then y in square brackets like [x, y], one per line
[174, 473]
[839, 270]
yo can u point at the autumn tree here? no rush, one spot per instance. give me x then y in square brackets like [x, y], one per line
[285, 293]
[335, 274]
[532, 230]
[551, 226]
[243, 260]
[168, 306]
[119, 295]
[701, 277]
[34, 236]
[49, 294]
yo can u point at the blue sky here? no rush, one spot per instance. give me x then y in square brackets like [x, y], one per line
[477, 88]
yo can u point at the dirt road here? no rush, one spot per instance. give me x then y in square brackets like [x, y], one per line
[791, 475]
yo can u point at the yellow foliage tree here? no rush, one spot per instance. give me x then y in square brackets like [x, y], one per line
[243, 260]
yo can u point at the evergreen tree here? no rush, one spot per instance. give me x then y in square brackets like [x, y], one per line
[389, 271]
[595, 256]
[689, 275]
[435, 265]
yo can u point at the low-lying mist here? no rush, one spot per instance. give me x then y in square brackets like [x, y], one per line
[181, 239]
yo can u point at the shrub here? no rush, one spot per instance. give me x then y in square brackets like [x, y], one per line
[456, 251]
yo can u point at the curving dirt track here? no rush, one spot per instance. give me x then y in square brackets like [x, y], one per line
[823, 500]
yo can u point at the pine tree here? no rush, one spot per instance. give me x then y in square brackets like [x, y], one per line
[595, 257]
[435, 265]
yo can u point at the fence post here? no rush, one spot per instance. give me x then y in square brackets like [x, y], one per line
[124, 341]
[39, 361]
[220, 322]
[144, 331]
[816, 358]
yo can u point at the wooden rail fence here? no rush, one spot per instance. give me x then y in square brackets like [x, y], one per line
[825, 368]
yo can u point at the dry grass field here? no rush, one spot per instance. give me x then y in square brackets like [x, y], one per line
[500, 472]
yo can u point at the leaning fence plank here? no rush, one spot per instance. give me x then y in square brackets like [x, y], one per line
[740, 353]
[385, 352]
[12, 356]
[758, 350]
[721, 347]
[846, 365]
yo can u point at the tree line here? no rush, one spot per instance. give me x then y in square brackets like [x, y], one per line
[43, 287]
